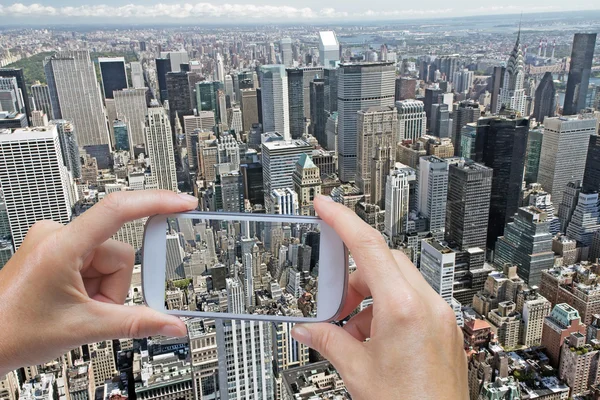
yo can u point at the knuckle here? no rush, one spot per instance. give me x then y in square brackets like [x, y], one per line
[371, 238]
[113, 202]
[42, 226]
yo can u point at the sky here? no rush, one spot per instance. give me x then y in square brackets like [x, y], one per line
[271, 11]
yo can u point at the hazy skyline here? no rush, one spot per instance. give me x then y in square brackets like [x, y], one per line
[113, 11]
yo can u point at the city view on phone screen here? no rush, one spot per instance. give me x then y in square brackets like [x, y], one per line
[242, 267]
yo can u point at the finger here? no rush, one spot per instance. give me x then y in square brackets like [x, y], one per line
[357, 292]
[108, 275]
[103, 220]
[112, 321]
[359, 326]
[371, 253]
[334, 343]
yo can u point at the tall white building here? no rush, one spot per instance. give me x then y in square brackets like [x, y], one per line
[432, 194]
[283, 201]
[512, 92]
[235, 120]
[160, 148]
[245, 369]
[412, 120]
[329, 49]
[360, 86]
[463, 81]
[279, 159]
[103, 362]
[397, 199]
[75, 95]
[285, 48]
[137, 75]
[228, 84]
[563, 154]
[275, 101]
[437, 267]
[219, 68]
[131, 108]
[34, 179]
[236, 298]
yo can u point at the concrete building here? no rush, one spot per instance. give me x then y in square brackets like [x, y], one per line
[33, 168]
[275, 100]
[102, 359]
[578, 363]
[249, 107]
[316, 379]
[433, 193]
[559, 325]
[329, 49]
[203, 347]
[512, 92]
[131, 107]
[283, 201]
[412, 121]
[437, 267]
[507, 323]
[534, 309]
[585, 220]
[397, 200]
[307, 184]
[160, 148]
[41, 99]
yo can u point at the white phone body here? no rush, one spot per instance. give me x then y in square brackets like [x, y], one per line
[332, 278]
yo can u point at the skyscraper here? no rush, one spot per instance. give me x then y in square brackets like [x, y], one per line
[75, 95]
[137, 75]
[113, 74]
[512, 93]
[545, 99]
[32, 168]
[22, 85]
[441, 123]
[329, 49]
[69, 146]
[534, 151]
[307, 184]
[163, 67]
[318, 116]
[464, 113]
[180, 101]
[580, 70]
[501, 144]
[397, 200]
[275, 100]
[285, 48]
[160, 148]
[437, 267]
[41, 99]
[131, 107]
[249, 106]
[468, 205]
[412, 121]
[176, 58]
[405, 88]
[564, 151]
[377, 130]
[584, 221]
[360, 86]
[527, 242]
[591, 174]
[219, 69]
[331, 89]
[295, 79]
[11, 99]
[432, 194]
[496, 84]
[121, 136]
[463, 81]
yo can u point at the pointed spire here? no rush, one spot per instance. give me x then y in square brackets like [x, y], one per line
[519, 32]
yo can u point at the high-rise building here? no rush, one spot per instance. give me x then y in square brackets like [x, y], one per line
[432, 194]
[283, 202]
[591, 174]
[163, 67]
[232, 191]
[329, 49]
[496, 84]
[545, 99]
[501, 144]
[228, 85]
[307, 184]
[527, 242]
[131, 107]
[562, 321]
[179, 96]
[535, 309]
[534, 152]
[205, 364]
[113, 75]
[405, 89]
[249, 106]
[69, 146]
[582, 55]
[564, 151]
[441, 123]
[567, 205]
[103, 363]
[465, 112]
[275, 100]
[377, 130]
[578, 363]
[360, 87]
[331, 89]
[245, 372]
[219, 69]
[295, 79]
[41, 98]
[437, 267]
[121, 136]
[176, 59]
[397, 200]
[32, 168]
[433, 95]
[412, 121]
[318, 115]
[279, 158]
[21, 84]
[137, 75]
[512, 92]
[75, 95]
[468, 204]
[11, 99]
[160, 148]
[584, 221]
[463, 81]
[285, 48]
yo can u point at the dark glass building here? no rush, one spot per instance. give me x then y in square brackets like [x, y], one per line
[163, 67]
[496, 84]
[331, 89]
[114, 77]
[405, 88]
[591, 174]
[295, 79]
[318, 116]
[180, 100]
[534, 151]
[253, 182]
[545, 99]
[121, 135]
[579, 73]
[432, 96]
[501, 144]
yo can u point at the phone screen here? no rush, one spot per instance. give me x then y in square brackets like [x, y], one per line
[242, 267]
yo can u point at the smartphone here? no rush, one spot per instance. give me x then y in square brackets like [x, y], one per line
[244, 266]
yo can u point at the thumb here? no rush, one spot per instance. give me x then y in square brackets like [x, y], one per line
[332, 341]
[112, 321]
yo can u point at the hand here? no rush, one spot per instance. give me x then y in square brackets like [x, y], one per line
[414, 349]
[66, 284]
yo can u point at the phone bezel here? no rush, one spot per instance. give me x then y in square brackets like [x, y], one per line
[333, 281]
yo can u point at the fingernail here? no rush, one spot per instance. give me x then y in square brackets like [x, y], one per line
[188, 198]
[327, 199]
[302, 335]
[173, 331]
